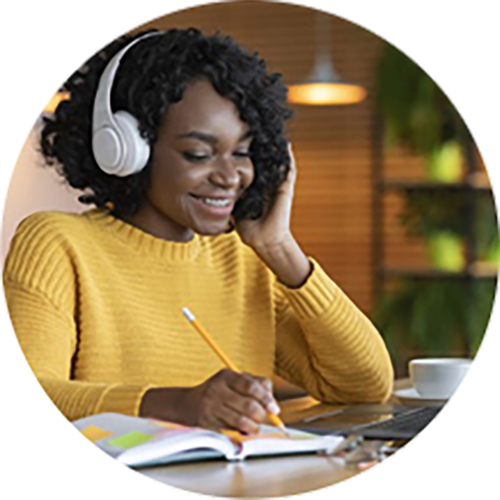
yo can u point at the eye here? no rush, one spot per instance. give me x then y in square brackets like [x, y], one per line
[242, 154]
[195, 157]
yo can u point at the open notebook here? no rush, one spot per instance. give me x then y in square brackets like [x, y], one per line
[140, 442]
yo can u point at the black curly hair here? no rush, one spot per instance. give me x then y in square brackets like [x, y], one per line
[152, 75]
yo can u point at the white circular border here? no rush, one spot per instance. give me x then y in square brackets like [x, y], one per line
[43, 42]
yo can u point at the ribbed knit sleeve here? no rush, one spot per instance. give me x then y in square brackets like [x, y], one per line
[41, 291]
[326, 345]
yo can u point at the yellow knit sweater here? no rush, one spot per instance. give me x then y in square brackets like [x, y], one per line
[96, 305]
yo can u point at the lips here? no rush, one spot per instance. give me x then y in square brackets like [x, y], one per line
[216, 202]
[215, 205]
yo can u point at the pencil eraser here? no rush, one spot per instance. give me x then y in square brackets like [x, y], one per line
[189, 315]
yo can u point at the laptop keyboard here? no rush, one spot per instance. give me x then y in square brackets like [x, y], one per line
[403, 425]
[386, 422]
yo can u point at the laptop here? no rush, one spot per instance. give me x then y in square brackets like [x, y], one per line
[371, 421]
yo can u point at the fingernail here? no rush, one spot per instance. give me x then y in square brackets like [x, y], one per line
[273, 408]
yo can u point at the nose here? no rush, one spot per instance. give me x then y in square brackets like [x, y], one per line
[225, 174]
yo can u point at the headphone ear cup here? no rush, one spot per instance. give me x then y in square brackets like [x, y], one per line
[135, 148]
[107, 148]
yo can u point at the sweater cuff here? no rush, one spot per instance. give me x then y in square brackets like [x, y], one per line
[315, 296]
[125, 399]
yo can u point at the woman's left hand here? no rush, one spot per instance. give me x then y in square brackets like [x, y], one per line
[273, 230]
[272, 240]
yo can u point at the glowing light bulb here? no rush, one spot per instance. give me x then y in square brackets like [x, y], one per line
[335, 93]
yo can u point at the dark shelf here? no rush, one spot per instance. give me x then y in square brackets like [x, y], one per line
[475, 273]
[464, 198]
[475, 183]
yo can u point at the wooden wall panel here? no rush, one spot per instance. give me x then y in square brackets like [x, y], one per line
[332, 215]
[332, 211]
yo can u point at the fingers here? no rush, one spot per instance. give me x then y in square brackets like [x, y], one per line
[293, 164]
[265, 382]
[257, 388]
[289, 183]
[228, 409]
[228, 418]
[292, 157]
[247, 407]
[245, 416]
[237, 401]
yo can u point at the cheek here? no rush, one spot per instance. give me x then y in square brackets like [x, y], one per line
[168, 171]
[164, 178]
[168, 181]
[249, 175]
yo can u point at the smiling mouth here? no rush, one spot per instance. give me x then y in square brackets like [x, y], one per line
[215, 202]
[218, 204]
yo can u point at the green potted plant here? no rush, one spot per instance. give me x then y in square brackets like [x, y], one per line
[424, 315]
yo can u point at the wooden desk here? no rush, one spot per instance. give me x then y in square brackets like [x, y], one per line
[259, 477]
[270, 477]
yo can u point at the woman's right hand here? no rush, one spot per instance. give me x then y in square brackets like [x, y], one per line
[227, 400]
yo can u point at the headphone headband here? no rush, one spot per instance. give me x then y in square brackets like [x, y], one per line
[117, 144]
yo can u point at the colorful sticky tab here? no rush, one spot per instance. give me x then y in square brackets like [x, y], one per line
[95, 433]
[131, 439]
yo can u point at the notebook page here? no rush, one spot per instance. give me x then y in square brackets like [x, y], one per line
[271, 441]
[134, 440]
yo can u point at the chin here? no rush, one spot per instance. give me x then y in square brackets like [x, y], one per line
[211, 230]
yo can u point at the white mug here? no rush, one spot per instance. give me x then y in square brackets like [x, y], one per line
[437, 378]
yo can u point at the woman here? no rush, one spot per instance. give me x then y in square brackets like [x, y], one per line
[96, 298]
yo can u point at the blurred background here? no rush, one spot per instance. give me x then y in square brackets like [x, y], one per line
[392, 196]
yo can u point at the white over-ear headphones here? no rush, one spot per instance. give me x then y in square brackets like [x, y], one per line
[117, 144]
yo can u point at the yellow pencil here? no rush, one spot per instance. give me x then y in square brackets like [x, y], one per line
[191, 318]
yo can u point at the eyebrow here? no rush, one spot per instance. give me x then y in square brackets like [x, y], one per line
[209, 138]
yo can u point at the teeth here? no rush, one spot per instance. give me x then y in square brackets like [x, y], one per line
[216, 203]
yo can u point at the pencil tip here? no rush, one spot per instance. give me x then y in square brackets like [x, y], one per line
[284, 430]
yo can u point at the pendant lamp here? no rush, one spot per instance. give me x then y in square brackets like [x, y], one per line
[54, 102]
[324, 86]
